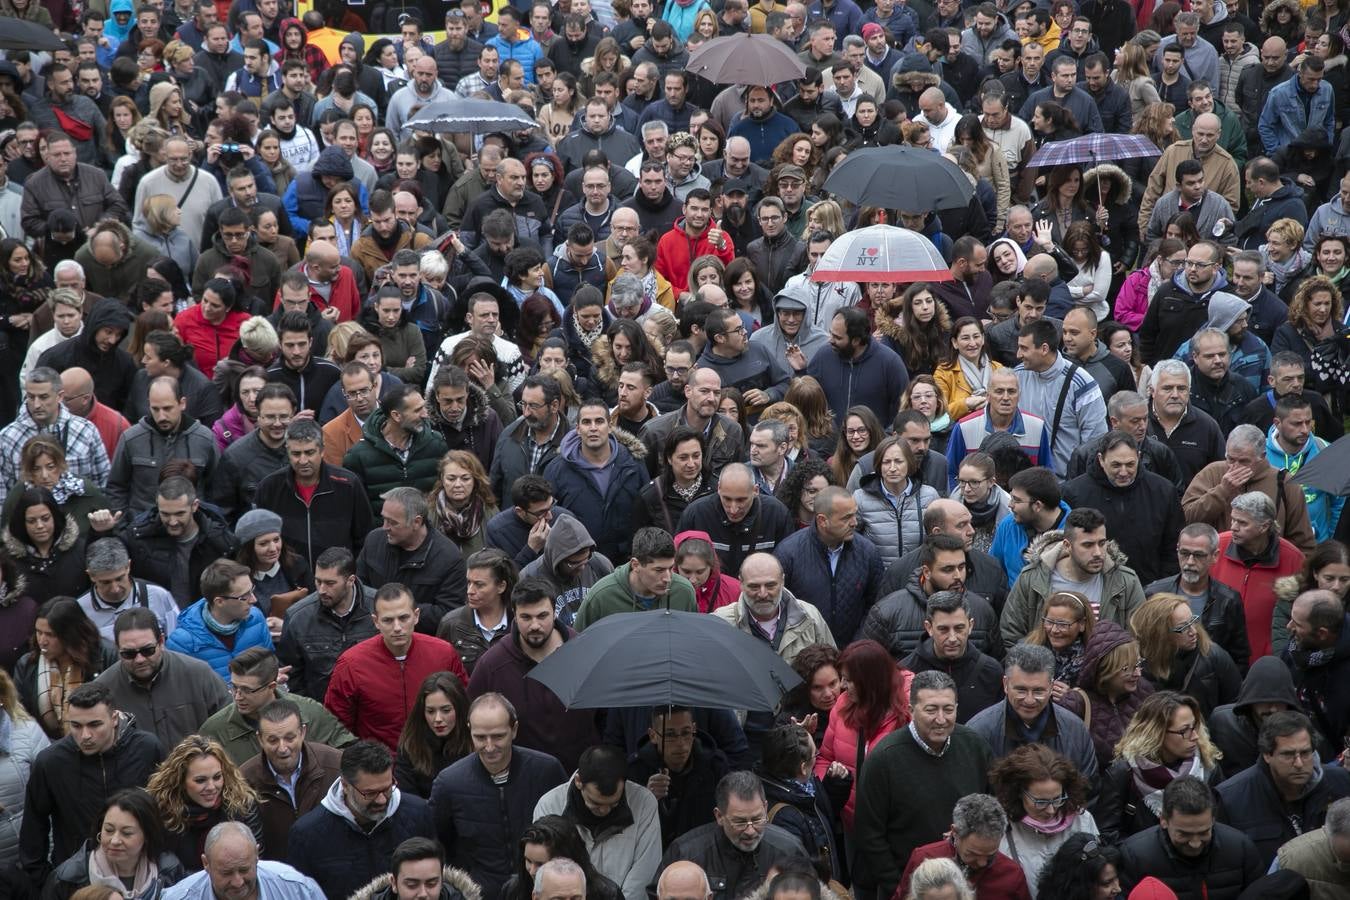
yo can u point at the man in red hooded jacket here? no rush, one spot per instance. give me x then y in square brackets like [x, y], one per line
[692, 236]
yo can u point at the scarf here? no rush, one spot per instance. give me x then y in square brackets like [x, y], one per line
[68, 486]
[976, 376]
[1284, 271]
[1058, 826]
[940, 424]
[1150, 778]
[687, 494]
[145, 882]
[1306, 659]
[217, 628]
[588, 337]
[1155, 280]
[460, 526]
[53, 690]
[1069, 662]
[649, 286]
[619, 818]
[982, 514]
[346, 237]
[26, 292]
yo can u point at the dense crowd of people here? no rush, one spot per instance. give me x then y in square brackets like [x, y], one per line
[1046, 540]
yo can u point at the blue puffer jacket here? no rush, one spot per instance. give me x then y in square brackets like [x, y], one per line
[327, 845]
[843, 597]
[526, 52]
[604, 513]
[193, 638]
[1324, 509]
[306, 195]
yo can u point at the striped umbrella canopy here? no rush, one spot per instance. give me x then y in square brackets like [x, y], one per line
[463, 115]
[882, 253]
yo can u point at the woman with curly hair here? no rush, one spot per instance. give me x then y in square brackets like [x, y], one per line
[129, 849]
[1327, 568]
[462, 501]
[67, 652]
[1155, 123]
[1084, 868]
[963, 376]
[550, 837]
[1045, 797]
[1314, 331]
[435, 734]
[805, 393]
[797, 149]
[875, 704]
[924, 331]
[1180, 654]
[623, 342]
[1165, 739]
[861, 434]
[196, 788]
[799, 489]
[811, 703]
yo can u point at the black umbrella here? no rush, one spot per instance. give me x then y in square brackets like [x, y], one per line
[21, 34]
[465, 115]
[1329, 470]
[907, 178]
[666, 658]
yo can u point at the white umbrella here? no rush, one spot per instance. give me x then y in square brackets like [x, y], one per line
[882, 253]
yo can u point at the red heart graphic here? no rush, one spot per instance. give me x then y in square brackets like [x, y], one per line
[871, 251]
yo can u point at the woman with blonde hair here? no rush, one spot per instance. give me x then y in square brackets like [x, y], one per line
[462, 501]
[1284, 254]
[339, 337]
[789, 415]
[1180, 654]
[1109, 688]
[196, 788]
[26, 740]
[825, 215]
[806, 394]
[1155, 123]
[1133, 74]
[706, 269]
[169, 110]
[939, 879]
[1166, 739]
[160, 226]
[916, 135]
[606, 58]
[705, 23]
[1065, 625]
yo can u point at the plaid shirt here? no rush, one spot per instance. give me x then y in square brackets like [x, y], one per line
[471, 84]
[85, 453]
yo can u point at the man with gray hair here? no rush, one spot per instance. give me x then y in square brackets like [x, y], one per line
[1245, 468]
[405, 550]
[626, 298]
[738, 847]
[111, 587]
[231, 868]
[559, 879]
[1215, 387]
[1252, 557]
[1318, 855]
[1201, 60]
[769, 455]
[1128, 411]
[44, 413]
[1218, 606]
[1191, 434]
[911, 779]
[978, 825]
[769, 612]
[1027, 714]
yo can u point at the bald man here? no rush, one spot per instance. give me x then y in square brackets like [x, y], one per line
[1043, 267]
[77, 387]
[767, 608]
[624, 226]
[332, 285]
[738, 518]
[1255, 84]
[984, 574]
[683, 880]
[940, 118]
[1221, 171]
[424, 88]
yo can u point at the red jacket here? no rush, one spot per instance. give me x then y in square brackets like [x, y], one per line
[1002, 880]
[371, 693]
[840, 743]
[720, 589]
[344, 297]
[210, 343]
[676, 251]
[1256, 584]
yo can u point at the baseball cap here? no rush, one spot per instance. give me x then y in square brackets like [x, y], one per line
[736, 186]
[789, 171]
[870, 29]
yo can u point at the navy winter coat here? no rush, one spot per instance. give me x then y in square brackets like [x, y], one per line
[843, 597]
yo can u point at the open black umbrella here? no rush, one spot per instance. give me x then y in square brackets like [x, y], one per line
[465, 115]
[906, 178]
[1329, 470]
[21, 34]
[666, 658]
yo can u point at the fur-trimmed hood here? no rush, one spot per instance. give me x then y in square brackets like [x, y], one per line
[1288, 588]
[631, 442]
[915, 81]
[13, 587]
[457, 880]
[1047, 548]
[604, 369]
[17, 549]
[476, 411]
[1268, 15]
[1118, 185]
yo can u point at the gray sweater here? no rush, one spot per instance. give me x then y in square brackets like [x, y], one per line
[1084, 415]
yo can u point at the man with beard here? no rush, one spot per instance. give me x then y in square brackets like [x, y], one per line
[967, 293]
[978, 824]
[1215, 388]
[1286, 379]
[858, 370]
[531, 442]
[65, 110]
[1268, 689]
[1188, 847]
[166, 433]
[899, 620]
[789, 336]
[761, 379]
[308, 376]
[1319, 658]
[243, 194]
[462, 414]
[257, 454]
[1080, 561]
[320, 627]
[527, 210]
[762, 125]
[1218, 606]
[1290, 445]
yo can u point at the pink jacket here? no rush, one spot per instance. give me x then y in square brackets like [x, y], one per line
[1132, 301]
[840, 743]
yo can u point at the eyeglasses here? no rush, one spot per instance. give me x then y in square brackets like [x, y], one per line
[1185, 626]
[130, 653]
[677, 370]
[1041, 803]
[754, 822]
[1291, 755]
[1177, 262]
[1187, 731]
[247, 595]
[856, 432]
[239, 690]
[278, 419]
[971, 482]
[1057, 624]
[1198, 264]
[358, 393]
[1193, 554]
[527, 406]
[1137, 667]
[771, 219]
[377, 793]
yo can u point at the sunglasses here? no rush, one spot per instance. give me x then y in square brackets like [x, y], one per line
[131, 653]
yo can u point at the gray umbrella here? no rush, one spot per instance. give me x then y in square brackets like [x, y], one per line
[467, 116]
[666, 658]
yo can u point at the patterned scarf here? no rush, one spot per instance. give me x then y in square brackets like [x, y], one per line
[457, 525]
[588, 337]
[1151, 778]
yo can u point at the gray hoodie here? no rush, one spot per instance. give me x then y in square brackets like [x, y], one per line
[566, 537]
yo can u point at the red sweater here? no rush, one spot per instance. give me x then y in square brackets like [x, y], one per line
[371, 692]
[1256, 584]
[210, 343]
[1002, 880]
[344, 297]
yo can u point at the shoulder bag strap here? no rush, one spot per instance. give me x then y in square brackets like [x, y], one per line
[1059, 404]
[1087, 706]
[196, 170]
